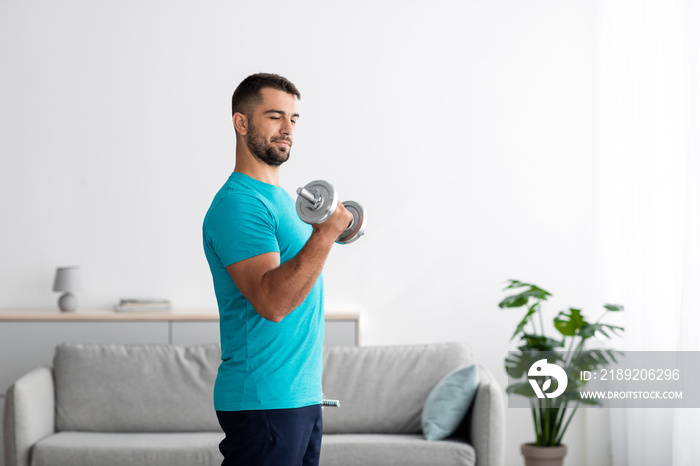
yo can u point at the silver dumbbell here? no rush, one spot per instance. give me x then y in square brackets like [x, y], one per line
[316, 203]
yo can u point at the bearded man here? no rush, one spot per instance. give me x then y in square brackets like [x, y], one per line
[266, 266]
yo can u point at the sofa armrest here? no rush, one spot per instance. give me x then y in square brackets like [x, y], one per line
[487, 422]
[29, 415]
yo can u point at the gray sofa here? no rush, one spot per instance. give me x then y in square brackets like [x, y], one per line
[102, 405]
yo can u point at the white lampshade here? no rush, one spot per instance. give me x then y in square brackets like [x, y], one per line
[67, 279]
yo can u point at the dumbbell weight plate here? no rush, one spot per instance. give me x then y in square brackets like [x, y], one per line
[327, 206]
[357, 227]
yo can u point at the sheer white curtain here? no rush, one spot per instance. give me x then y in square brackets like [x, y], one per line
[649, 199]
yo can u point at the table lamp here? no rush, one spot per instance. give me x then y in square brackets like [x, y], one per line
[67, 280]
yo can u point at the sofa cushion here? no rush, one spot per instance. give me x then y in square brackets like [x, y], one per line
[117, 449]
[382, 389]
[384, 449]
[135, 388]
[448, 402]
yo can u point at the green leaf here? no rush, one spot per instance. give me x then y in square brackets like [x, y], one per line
[590, 330]
[592, 360]
[521, 325]
[614, 307]
[533, 291]
[514, 284]
[522, 299]
[531, 296]
[513, 301]
[569, 323]
[539, 343]
[518, 363]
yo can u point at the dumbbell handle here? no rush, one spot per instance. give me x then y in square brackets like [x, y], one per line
[308, 195]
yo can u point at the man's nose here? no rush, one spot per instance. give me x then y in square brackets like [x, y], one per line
[287, 127]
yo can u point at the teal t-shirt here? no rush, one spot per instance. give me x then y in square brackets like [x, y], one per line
[264, 365]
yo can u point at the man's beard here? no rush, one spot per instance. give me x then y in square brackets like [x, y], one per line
[265, 151]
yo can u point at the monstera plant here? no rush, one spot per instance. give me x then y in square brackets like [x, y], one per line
[552, 416]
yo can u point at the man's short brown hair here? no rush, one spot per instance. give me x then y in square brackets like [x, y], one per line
[247, 94]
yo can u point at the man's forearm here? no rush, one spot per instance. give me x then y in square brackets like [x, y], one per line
[274, 289]
[287, 286]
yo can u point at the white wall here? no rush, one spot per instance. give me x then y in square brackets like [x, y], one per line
[466, 129]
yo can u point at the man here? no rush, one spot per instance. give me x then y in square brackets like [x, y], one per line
[266, 265]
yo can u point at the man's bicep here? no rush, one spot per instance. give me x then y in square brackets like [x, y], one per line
[240, 228]
[248, 274]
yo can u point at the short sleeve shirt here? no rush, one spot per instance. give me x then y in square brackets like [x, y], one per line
[264, 365]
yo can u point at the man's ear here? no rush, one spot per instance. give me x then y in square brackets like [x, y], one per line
[240, 123]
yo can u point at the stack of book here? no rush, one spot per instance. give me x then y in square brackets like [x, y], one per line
[143, 305]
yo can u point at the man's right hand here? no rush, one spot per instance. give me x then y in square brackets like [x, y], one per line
[332, 228]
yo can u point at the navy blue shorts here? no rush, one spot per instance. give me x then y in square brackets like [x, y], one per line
[274, 437]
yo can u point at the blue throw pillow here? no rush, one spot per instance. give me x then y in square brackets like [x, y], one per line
[448, 402]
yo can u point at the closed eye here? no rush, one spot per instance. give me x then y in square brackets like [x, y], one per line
[277, 114]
